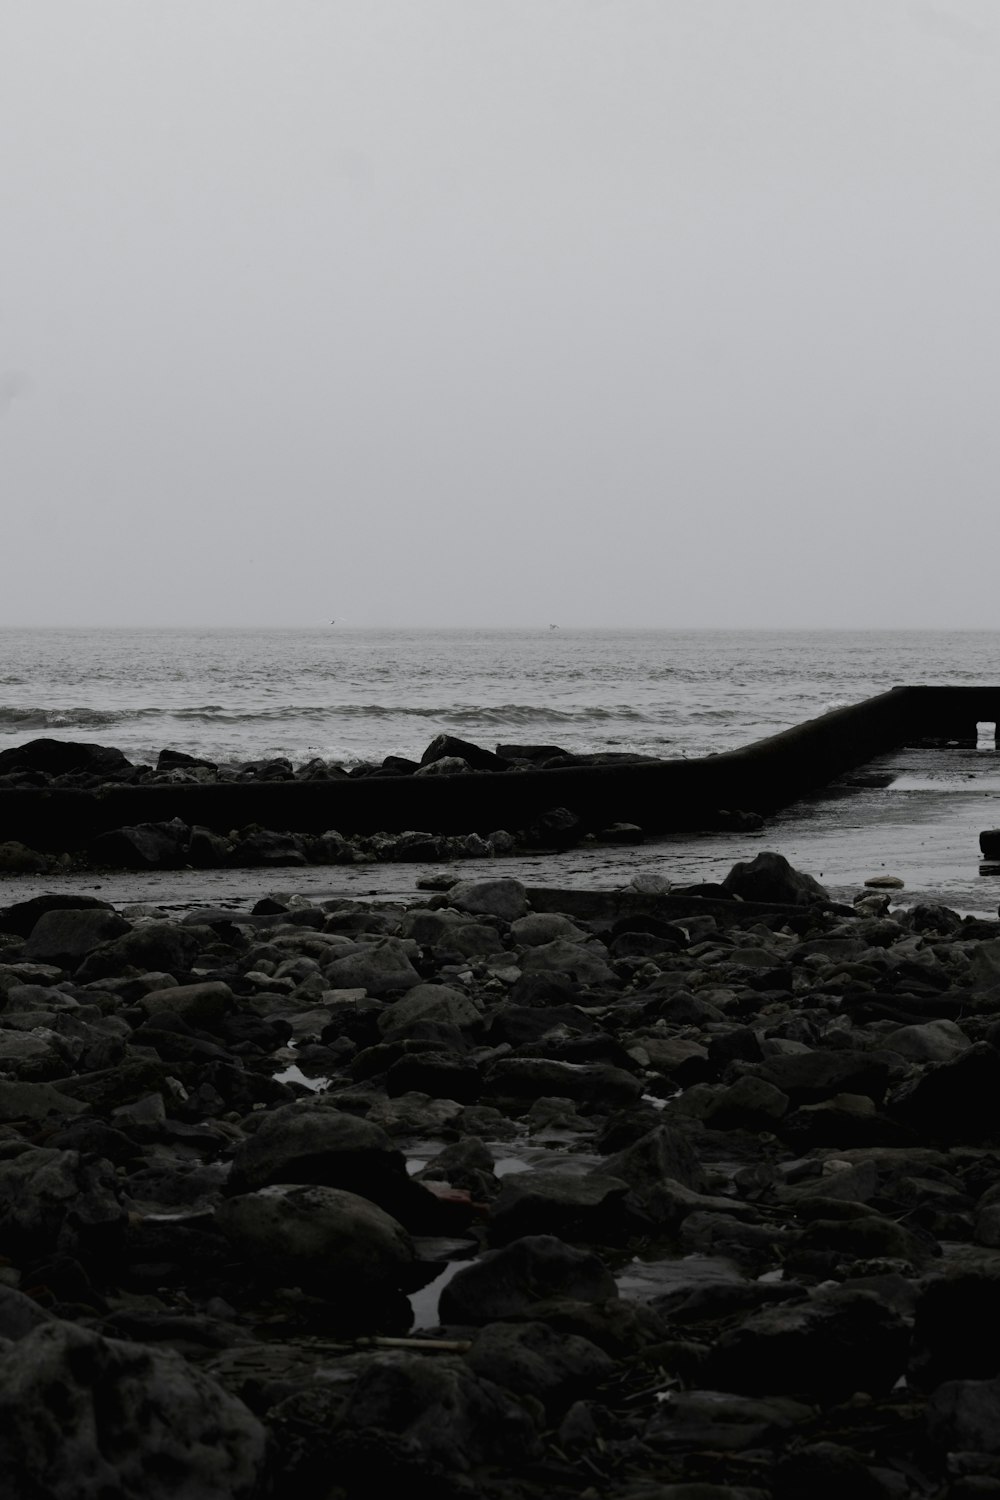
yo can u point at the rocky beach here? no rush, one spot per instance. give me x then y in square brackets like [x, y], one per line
[504, 1189]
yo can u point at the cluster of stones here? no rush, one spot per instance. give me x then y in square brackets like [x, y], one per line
[175, 844]
[753, 1251]
[67, 763]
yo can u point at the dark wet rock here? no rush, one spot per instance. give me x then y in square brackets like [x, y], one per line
[704, 1226]
[382, 967]
[166, 947]
[845, 1120]
[536, 754]
[531, 1359]
[66, 936]
[664, 1153]
[144, 846]
[964, 1416]
[695, 1490]
[769, 877]
[502, 897]
[557, 828]
[54, 1198]
[953, 1101]
[84, 1417]
[591, 1209]
[19, 1314]
[808, 1077]
[435, 1073]
[63, 757]
[520, 1024]
[825, 1349]
[206, 849]
[314, 1143]
[584, 963]
[477, 758]
[723, 1422]
[321, 1239]
[868, 1237]
[540, 927]
[451, 933]
[750, 1103]
[20, 1101]
[171, 760]
[436, 1413]
[466, 1164]
[17, 859]
[431, 1002]
[105, 1088]
[512, 1281]
[268, 847]
[534, 1077]
[956, 1329]
[447, 765]
[826, 1471]
[21, 917]
[200, 1005]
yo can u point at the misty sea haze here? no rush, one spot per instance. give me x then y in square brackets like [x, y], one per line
[349, 694]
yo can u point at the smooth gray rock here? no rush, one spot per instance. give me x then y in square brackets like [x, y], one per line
[431, 1002]
[586, 963]
[503, 897]
[379, 968]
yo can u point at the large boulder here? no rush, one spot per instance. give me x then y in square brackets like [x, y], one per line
[328, 1242]
[66, 936]
[574, 1207]
[448, 746]
[379, 967]
[826, 1348]
[85, 1418]
[585, 963]
[770, 878]
[143, 846]
[166, 947]
[431, 1002]
[63, 757]
[953, 1101]
[22, 916]
[502, 897]
[311, 1142]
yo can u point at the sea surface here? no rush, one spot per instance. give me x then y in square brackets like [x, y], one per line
[350, 695]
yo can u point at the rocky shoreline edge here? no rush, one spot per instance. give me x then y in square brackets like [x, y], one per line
[507, 1200]
[48, 765]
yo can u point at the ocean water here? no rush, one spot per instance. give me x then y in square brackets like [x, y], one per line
[349, 694]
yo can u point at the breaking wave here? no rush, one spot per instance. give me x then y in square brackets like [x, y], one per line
[41, 719]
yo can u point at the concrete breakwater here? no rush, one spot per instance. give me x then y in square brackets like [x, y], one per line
[659, 796]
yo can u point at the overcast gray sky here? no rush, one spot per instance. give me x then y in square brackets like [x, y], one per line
[607, 312]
